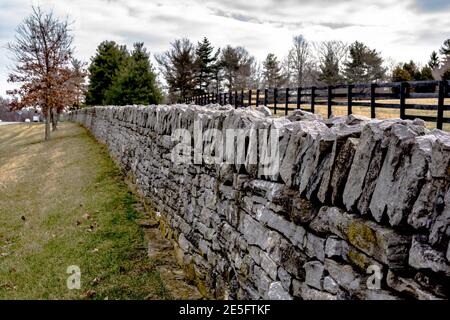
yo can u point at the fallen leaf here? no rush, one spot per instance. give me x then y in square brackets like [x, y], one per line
[88, 294]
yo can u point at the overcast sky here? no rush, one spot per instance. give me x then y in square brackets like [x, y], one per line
[400, 29]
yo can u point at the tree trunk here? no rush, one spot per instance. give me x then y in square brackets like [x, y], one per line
[47, 126]
[54, 117]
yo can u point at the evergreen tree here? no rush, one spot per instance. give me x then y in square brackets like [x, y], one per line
[272, 72]
[434, 62]
[135, 82]
[206, 65]
[445, 49]
[446, 75]
[178, 68]
[364, 65]
[237, 67]
[331, 53]
[103, 70]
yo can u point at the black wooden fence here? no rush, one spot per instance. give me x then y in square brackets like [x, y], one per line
[369, 95]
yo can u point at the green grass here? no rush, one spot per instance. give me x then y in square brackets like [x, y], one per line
[64, 203]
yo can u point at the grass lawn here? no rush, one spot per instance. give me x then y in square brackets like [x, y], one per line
[64, 203]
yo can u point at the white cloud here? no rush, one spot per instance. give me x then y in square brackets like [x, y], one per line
[402, 29]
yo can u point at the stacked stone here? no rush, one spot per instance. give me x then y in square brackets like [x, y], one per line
[353, 196]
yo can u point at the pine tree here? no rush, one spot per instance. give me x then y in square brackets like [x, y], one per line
[206, 65]
[434, 62]
[105, 66]
[445, 49]
[237, 66]
[364, 65]
[135, 82]
[178, 68]
[272, 72]
[331, 53]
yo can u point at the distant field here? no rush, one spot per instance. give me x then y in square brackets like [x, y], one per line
[381, 113]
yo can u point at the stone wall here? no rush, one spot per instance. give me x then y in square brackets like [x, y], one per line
[360, 208]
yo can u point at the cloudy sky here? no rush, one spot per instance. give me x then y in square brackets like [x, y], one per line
[399, 29]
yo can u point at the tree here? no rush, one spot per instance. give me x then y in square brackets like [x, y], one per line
[331, 54]
[445, 49]
[364, 65]
[434, 62]
[273, 77]
[206, 65]
[400, 74]
[135, 82]
[446, 75]
[299, 64]
[103, 70]
[178, 68]
[237, 66]
[42, 50]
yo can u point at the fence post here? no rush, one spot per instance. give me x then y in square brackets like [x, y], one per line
[266, 92]
[242, 98]
[313, 99]
[235, 99]
[403, 100]
[441, 99]
[257, 97]
[249, 98]
[330, 101]
[275, 96]
[373, 114]
[286, 106]
[349, 99]
[299, 97]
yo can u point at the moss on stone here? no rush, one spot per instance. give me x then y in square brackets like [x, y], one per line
[358, 259]
[361, 236]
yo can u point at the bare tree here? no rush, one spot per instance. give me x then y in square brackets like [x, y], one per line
[299, 63]
[42, 51]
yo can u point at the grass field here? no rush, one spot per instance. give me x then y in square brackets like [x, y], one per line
[65, 203]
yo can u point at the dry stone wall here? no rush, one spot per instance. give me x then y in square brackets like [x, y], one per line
[360, 208]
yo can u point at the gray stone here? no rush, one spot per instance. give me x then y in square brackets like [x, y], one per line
[408, 287]
[261, 280]
[330, 285]
[285, 279]
[381, 243]
[379, 295]
[401, 176]
[314, 273]
[295, 233]
[268, 265]
[277, 292]
[335, 247]
[344, 275]
[301, 290]
[422, 256]
[315, 246]
[366, 163]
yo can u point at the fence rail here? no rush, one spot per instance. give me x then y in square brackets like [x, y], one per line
[372, 96]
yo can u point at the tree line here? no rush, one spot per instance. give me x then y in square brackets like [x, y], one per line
[192, 69]
[52, 80]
